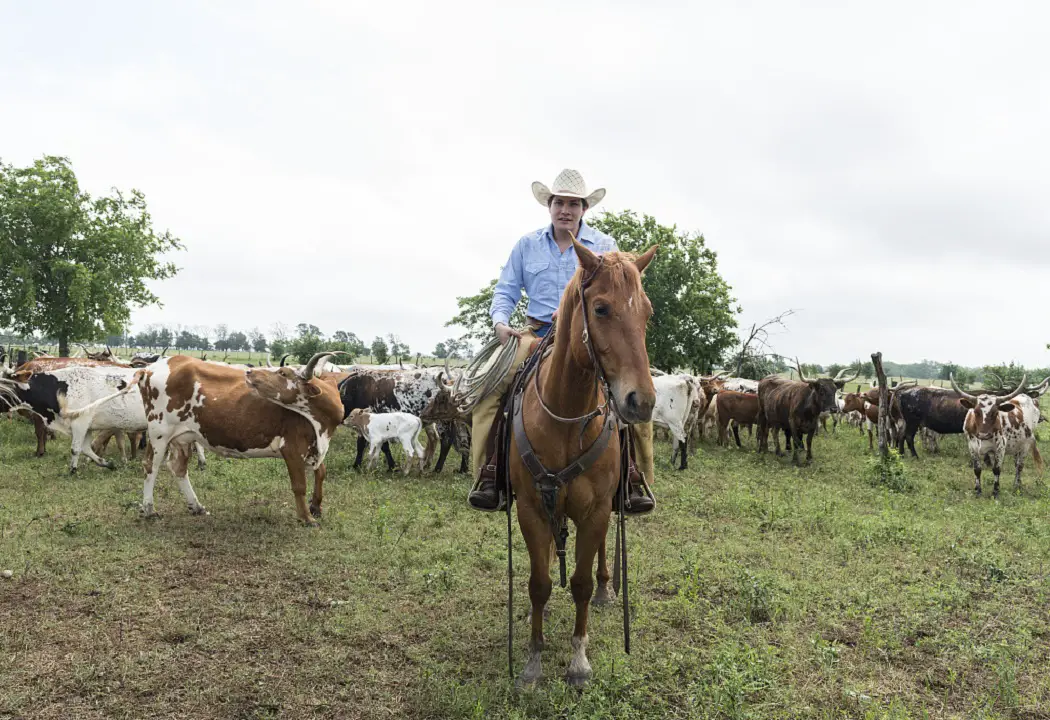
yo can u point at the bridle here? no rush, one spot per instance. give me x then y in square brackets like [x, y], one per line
[605, 408]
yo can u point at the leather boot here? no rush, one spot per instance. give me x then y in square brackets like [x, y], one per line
[638, 501]
[485, 496]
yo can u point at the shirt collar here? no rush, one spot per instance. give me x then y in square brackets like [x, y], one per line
[585, 234]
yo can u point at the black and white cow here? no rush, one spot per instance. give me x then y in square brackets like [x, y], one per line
[391, 391]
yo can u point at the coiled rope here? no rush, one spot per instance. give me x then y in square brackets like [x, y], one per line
[484, 372]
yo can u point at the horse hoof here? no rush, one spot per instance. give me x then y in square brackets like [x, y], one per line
[602, 597]
[149, 513]
[199, 510]
[578, 680]
[530, 676]
[315, 510]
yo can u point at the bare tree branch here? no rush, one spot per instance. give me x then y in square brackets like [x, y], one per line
[759, 337]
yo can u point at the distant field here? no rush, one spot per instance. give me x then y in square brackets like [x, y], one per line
[254, 357]
[758, 591]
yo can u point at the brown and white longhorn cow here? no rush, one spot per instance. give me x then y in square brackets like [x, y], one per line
[996, 426]
[250, 413]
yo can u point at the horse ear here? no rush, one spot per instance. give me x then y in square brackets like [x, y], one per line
[588, 260]
[643, 262]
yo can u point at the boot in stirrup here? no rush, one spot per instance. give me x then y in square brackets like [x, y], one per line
[640, 499]
[485, 496]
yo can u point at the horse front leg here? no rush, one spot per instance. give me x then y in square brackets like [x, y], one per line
[538, 540]
[590, 537]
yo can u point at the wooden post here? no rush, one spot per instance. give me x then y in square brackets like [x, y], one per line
[884, 406]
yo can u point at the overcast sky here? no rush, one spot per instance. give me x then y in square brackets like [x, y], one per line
[359, 165]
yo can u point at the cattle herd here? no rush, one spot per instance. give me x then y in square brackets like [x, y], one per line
[176, 407]
[173, 407]
[997, 422]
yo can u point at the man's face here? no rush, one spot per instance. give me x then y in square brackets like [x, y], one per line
[566, 213]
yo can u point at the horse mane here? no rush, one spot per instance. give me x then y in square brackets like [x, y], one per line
[615, 263]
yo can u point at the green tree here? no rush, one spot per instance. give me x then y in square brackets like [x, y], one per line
[380, 352]
[73, 266]
[305, 347]
[348, 342]
[694, 315]
[305, 329]
[257, 340]
[440, 351]
[474, 314]
[238, 341]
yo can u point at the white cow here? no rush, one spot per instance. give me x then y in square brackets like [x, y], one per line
[378, 428]
[679, 399]
[92, 400]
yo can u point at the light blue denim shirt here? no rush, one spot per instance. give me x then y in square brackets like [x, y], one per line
[542, 270]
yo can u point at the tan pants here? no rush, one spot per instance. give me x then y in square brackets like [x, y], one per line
[485, 414]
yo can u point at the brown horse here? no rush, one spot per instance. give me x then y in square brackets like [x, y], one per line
[609, 342]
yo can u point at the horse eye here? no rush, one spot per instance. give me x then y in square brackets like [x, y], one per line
[601, 310]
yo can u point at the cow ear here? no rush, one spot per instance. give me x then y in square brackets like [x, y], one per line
[312, 390]
[1007, 407]
[966, 403]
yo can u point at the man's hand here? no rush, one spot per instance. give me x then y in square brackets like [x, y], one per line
[504, 333]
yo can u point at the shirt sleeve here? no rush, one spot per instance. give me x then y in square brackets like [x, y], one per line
[507, 293]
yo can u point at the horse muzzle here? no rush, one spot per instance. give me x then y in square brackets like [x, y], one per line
[635, 407]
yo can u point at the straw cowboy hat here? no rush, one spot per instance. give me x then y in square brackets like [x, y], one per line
[569, 183]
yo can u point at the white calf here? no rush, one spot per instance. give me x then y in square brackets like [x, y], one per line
[378, 428]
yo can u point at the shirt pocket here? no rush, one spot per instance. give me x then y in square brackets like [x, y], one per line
[538, 276]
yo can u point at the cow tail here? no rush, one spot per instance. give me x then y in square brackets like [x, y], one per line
[68, 414]
[1037, 457]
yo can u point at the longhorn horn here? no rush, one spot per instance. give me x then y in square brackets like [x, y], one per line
[841, 381]
[1015, 393]
[447, 371]
[1037, 390]
[798, 366]
[308, 369]
[268, 363]
[958, 390]
[285, 357]
[998, 379]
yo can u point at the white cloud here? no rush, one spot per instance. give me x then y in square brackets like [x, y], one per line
[358, 165]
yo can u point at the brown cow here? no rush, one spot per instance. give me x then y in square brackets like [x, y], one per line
[239, 413]
[794, 406]
[741, 407]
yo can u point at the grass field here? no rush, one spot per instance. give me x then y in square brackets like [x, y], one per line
[759, 591]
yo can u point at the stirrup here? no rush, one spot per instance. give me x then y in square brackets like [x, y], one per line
[640, 506]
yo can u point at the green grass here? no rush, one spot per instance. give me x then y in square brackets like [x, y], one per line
[758, 590]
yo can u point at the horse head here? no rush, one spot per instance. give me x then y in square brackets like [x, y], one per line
[607, 312]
